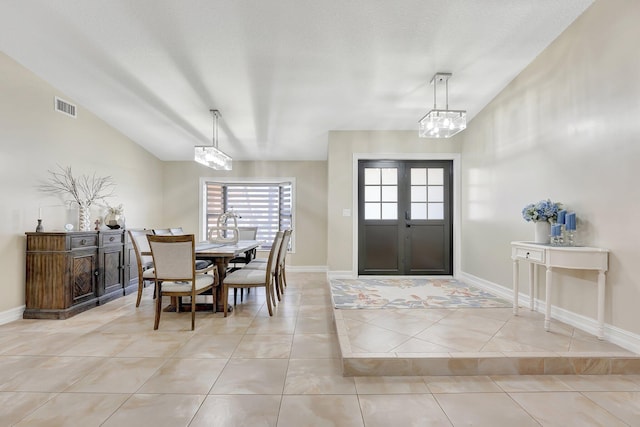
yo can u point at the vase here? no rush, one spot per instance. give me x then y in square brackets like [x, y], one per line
[542, 231]
[114, 220]
[84, 217]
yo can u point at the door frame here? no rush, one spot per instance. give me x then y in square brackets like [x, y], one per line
[455, 159]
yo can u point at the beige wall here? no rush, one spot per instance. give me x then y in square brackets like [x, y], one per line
[181, 189]
[568, 128]
[34, 139]
[343, 145]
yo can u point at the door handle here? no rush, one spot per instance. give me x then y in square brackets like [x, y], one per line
[408, 225]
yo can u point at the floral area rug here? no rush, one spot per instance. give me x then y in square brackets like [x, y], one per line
[411, 293]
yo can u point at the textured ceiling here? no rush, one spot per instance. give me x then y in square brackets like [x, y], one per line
[282, 72]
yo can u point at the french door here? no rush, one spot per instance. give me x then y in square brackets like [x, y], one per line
[405, 211]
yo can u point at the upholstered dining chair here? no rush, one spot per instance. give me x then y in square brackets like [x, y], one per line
[201, 264]
[279, 275]
[253, 278]
[245, 233]
[145, 262]
[162, 231]
[262, 263]
[175, 273]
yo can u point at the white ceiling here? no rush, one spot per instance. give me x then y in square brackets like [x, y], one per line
[282, 72]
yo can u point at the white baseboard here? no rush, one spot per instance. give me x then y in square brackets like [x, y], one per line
[337, 274]
[615, 335]
[11, 315]
[307, 268]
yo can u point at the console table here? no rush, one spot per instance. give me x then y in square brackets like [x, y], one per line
[571, 257]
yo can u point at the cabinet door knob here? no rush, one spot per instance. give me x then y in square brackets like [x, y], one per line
[111, 239]
[527, 256]
[83, 241]
[96, 273]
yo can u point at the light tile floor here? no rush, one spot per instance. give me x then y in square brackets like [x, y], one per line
[108, 367]
[471, 341]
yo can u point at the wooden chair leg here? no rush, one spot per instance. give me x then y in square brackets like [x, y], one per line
[269, 297]
[193, 312]
[274, 292]
[140, 287]
[225, 298]
[158, 306]
[278, 285]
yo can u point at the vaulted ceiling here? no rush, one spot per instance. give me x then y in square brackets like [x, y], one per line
[283, 73]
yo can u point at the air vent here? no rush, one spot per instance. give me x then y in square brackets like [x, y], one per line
[65, 107]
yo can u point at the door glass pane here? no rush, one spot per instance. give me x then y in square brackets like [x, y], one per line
[436, 176]
[371, 176]
[390, 176]
[372, 193]
[381, 184]
[389, 193]
[418, 176]
[419, 193]
[436, 193]
[418, 211]
[372, 211]
[389, 211]
[436, 211]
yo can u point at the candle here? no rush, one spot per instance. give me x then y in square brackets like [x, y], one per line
[556, 230]
[39, 213]
[561, 216]
[571, 221]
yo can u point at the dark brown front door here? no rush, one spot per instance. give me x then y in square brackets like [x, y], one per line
[405, 217]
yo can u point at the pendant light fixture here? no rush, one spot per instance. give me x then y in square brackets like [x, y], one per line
[439, 123]
[210, 155]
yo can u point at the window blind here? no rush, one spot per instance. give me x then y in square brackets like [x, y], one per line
[267, 206]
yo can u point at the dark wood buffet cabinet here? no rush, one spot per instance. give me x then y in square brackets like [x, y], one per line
[70, 272]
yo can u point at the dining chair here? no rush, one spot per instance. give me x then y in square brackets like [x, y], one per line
[253, 278]
[280, 273]
[145, 262]
[262, 263]
[201, 264]
[162, 231]
[175, 273]
[245, 233]
[280, 279]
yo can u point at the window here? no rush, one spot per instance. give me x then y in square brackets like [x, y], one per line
[266, 205]
[381, 193]
[427, 193]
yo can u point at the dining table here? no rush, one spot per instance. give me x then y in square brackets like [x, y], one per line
[220, 254]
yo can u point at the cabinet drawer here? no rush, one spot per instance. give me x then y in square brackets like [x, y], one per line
[111, 238]
[84, 241]
[529, 254]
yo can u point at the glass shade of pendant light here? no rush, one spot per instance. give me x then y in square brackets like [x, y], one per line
[210, 155]
[439, 123]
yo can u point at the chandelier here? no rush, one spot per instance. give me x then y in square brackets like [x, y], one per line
[210, 155]
[439, 123]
